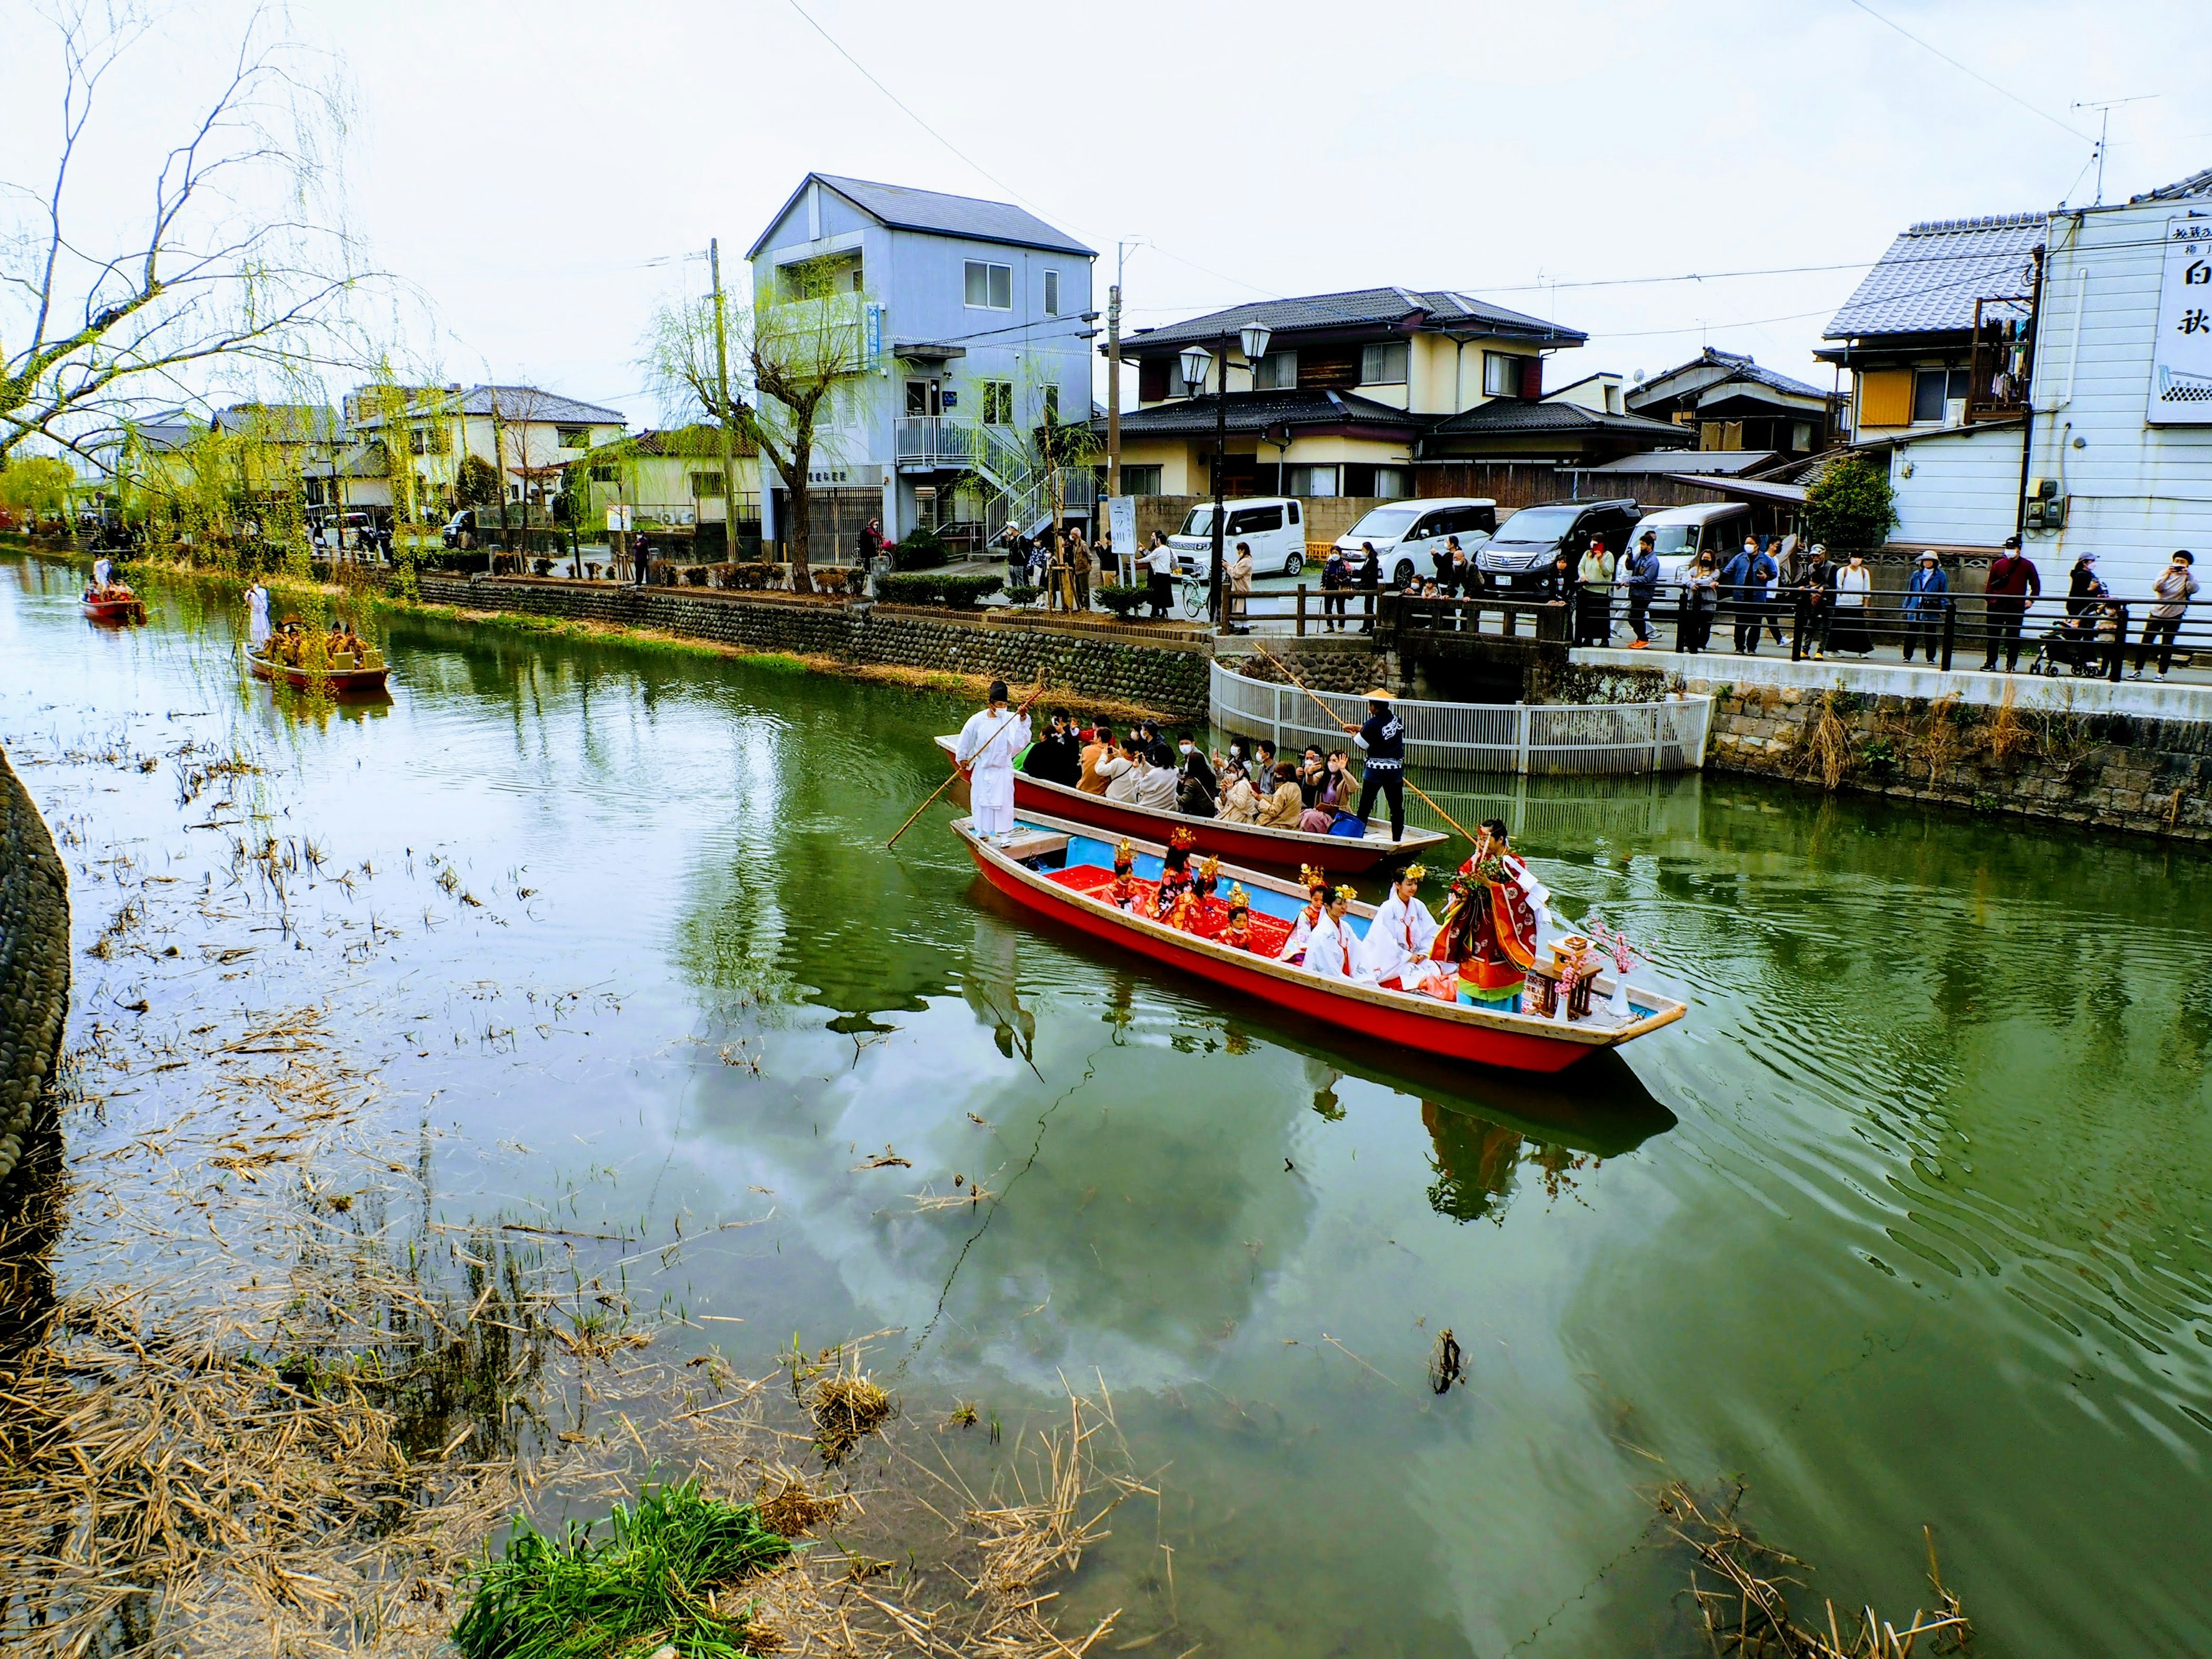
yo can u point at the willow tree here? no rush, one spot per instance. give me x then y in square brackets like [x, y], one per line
[791, 355]
[241, 258]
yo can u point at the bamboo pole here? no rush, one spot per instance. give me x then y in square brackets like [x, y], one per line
[955, 774]
[1426, 798]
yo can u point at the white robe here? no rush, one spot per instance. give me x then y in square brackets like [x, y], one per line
[1333, 949]
[1398, 941]
[256, 605]
[1301, 931]
[103, 572]
[988, 743]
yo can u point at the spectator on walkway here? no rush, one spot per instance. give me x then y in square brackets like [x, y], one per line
[1371, 584]
[1927, 597]
[1593, 595]
[1461, 582]
[1819, 600]
[2175, 586]
[1240, 588]
[1335, 578]
[1744, 582]
[1781, 550]
[1080, 565]
[2082, 587]
[871, 540]
[1159, 564]
[1701, 600]
[2014, 582]
[1643, 573]
[1854, 583]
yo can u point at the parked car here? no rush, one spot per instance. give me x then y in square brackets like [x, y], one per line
[1272, 524]
[1408, 535]
[460, 531]
[1683, 532]
[1518, 555]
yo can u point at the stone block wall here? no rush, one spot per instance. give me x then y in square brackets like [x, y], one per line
[1168, 677]
[34, 973]
[2108, 771]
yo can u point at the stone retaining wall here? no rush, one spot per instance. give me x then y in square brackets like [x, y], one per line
[34, 973]
[1168, 677]
[2111, 771]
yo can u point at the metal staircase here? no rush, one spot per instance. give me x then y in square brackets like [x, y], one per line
[1021, 487]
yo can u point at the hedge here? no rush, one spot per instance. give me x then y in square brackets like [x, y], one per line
[959, 592]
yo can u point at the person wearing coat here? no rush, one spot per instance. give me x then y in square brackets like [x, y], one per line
[1371, 583]
[2014, 583]
[1240, 579]
[1642, 572]
[1743, 580]
[1593, 595]
[1927, 597]
[1286, 804]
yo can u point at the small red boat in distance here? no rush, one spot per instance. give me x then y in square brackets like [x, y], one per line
[115, 603]
[1059, 868]
[1249, 843]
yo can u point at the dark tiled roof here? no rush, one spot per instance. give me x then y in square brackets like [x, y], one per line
[1929, 280]
[903, 207]
[1502, 414]
[294, 423]
[513, 403]
[1254, 412]
[696, 442]
[2183, 190]
[1363, 307]
[1740, 367]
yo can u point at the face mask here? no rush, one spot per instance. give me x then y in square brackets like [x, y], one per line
[1185, 748]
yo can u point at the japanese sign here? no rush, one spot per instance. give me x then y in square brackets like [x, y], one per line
[2181, 355]
[618, 520]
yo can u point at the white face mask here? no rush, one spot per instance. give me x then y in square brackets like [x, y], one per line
[1185, 748]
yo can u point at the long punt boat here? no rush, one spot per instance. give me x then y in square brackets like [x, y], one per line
[341, 678]
[1249, 843]
[1059, 868]
[116, 604]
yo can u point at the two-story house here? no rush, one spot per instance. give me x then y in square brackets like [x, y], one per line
[977, 321]
[408, 444]
[1733, 403]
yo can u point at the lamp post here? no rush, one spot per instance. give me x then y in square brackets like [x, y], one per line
[1254, 338]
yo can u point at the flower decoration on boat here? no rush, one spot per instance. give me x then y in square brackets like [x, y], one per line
[1315, 878]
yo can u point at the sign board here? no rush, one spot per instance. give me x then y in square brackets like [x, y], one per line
[872, 328]
[618, 520]
[1121, 525]
[2181, 351]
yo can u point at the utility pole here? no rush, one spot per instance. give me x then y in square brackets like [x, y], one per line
[1113, 387]
[722, 390]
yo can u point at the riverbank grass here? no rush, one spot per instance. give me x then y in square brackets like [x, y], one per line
[659, 1578]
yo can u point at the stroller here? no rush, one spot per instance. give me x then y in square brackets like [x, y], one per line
[2084, 642]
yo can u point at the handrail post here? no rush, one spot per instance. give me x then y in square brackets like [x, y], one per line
[1800, 611]
[1521, 739]
[2119, 649]
[1950, 633]
[1301, 611]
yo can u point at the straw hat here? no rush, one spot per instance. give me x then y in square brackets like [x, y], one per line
[1378, 694]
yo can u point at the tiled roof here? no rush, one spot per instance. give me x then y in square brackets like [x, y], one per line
[1360, 308]
[1696, 460]
[1516, 415]
[902, 208]
[280, 422]
[1254, 412]
[1929, 280]
[695, 442]
[1739, 367]
[2183, 190]
[512, 403]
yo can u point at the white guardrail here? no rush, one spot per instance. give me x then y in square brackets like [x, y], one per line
[1614, 739]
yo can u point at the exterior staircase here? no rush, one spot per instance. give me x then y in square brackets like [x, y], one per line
[1020, 486]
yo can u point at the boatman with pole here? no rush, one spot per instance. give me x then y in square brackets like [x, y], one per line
[988, 743]
[1382, 740]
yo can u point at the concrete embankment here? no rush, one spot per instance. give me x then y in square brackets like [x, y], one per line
[34, 975]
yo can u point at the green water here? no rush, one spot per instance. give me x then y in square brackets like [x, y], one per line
[1905, 1225]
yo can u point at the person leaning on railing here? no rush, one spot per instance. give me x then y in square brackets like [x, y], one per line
[1642, 572]
[2175, 586]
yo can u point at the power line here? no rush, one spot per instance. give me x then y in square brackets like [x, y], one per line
[2000, 91]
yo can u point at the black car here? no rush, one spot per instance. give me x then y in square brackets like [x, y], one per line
[1517, 559]
[461, 532]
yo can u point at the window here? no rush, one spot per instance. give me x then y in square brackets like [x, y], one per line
[1359, 478]
[573, 437]
[1050, 398]
[1885, 396]
[998, 403]
[608, 473]
[1391, 481]
[708, 483]
[1383, 364]
[1140, 481]
[1276, 371]
[1254, 520]
[1928, 388]
[1310, 481]
[1051, 293]
[990, 287]
[859, 285]
[1151, 380]
[1501, 373]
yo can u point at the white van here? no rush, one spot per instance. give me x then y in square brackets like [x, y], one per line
[1683, 532]
[1272, 525]
[1408, 535]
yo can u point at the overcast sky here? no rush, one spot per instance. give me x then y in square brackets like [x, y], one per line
[538, 172]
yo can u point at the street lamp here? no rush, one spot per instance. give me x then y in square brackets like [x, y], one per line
[1254, 338]
[1195, 362]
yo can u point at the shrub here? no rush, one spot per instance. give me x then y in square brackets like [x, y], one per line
[959, 592]
[1851, 504]
[477, 484]
[1022, 593]
[1123, 602]
[921, 549]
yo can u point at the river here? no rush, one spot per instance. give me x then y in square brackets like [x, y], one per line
[1905, 1226]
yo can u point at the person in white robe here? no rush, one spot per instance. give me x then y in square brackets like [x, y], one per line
[1333, 949]
[1399, 936]
[1311, 911]
[987, 745]
[256, 612]
[103, 571]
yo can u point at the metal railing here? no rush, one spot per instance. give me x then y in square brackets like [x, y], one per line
[1614, 739]
[1304, 610]
[2092, 636]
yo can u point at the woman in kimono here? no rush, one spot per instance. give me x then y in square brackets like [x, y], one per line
[1401, 934]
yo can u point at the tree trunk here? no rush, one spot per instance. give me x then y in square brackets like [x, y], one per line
[796, 517]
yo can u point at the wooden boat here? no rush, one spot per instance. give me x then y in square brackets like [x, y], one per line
[1057, 867]
[340, 679]
[117, 606]
[1248, 843]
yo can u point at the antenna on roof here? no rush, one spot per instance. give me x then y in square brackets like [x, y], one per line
[2104, 127]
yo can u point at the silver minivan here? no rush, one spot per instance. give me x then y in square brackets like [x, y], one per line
[1270, 525]
[1408, 535]
[1683, 532]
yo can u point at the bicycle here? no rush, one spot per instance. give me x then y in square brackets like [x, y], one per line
[1194, 596]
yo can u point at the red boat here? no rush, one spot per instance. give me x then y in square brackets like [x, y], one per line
[1057, 868]
[1247, 842]
[339, 681]
[116, 605]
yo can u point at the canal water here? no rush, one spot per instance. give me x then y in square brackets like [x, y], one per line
[1904, 1227]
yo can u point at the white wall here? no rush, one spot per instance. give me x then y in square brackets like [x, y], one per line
[1961, 490]
[2137, 491]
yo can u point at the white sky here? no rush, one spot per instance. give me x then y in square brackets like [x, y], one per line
[537, 172]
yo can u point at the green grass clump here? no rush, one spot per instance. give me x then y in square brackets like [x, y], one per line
[644, 1586]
